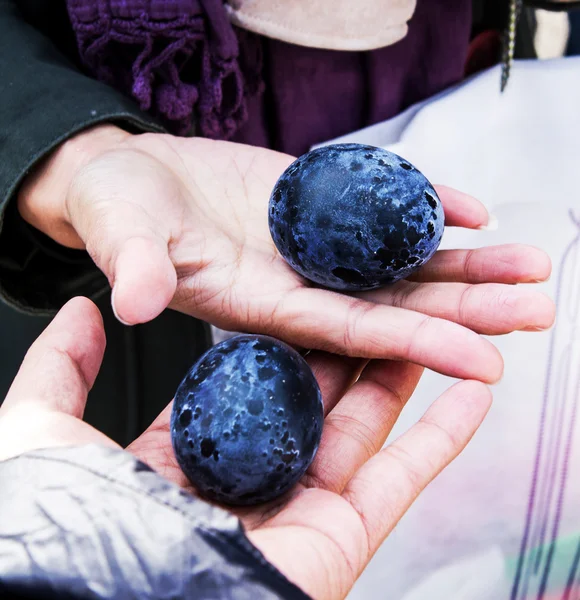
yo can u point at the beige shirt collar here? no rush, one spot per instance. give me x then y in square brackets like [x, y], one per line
[331, 24]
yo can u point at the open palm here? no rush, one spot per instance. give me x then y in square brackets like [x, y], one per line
[183, 223]
[322, 533]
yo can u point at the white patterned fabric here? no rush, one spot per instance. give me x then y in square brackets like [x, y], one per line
[503, 521]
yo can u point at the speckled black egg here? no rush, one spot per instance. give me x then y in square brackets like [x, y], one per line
[247, 420]
[355, 217]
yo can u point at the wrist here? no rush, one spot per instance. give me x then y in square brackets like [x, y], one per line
[42, 195]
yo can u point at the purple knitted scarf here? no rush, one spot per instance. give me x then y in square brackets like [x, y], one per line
[176, 58]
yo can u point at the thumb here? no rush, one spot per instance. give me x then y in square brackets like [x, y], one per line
[61, 366]
[121, 206]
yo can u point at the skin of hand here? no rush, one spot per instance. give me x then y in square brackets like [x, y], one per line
[321, 534]
[182, 222]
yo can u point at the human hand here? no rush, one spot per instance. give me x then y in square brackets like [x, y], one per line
[322, 533]
[183, 223]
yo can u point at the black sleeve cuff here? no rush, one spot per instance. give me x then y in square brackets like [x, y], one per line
[94, 522]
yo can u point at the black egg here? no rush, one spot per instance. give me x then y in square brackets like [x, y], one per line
[355, 217]
[247, 420]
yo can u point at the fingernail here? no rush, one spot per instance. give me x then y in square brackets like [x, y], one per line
[492, 224]
[535, 328]
[115, 310]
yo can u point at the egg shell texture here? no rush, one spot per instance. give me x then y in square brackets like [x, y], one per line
[247, 420]
[354, 217]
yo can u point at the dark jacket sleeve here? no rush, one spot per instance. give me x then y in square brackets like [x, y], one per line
[94, 522]
[45, 100]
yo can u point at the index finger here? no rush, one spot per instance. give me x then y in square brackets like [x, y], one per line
[386, 486]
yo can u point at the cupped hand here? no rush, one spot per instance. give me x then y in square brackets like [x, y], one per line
[323, 533]
[183, 223]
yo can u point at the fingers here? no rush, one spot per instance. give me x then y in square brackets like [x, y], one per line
[356, 429]
[487, 308]
[510, 263]
[462, 210]
[60, 367]
[124, 223]
[385, 487]
[344, 325]
[335, 374]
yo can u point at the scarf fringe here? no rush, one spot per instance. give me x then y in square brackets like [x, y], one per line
[175, 69]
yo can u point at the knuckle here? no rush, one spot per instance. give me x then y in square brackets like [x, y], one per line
[414, 476]
[471, 270]
[360, 433]
[447, 442]
[356, 339]
[422, 328]
[464, 304]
